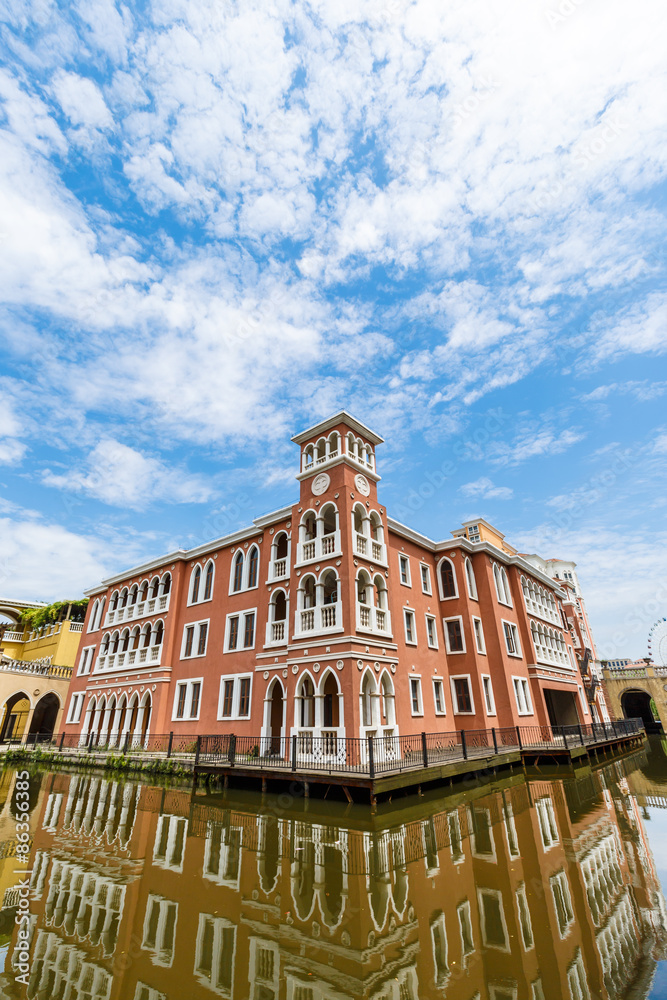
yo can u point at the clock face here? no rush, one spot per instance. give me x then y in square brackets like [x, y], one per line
[320, 484]
[362, 485]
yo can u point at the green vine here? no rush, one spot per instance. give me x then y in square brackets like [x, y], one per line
[58, 611]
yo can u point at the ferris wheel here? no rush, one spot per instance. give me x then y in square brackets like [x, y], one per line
[657, 643]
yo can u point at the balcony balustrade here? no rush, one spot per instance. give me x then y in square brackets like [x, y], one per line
[276, 633]
[278, 570]
[142, 609]
[324, 618]
[321, 547]
[372, 619]
[541, 611]
[370, 549]
[148, 655]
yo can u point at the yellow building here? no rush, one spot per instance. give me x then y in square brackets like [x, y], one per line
[35, 669]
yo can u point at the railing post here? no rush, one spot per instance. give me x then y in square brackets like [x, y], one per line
[518, 738]
[464, 748]
[564, 735]
[90, 742]
[581, 735]
[232, 749]
[604, 726]
[371, 759]
[495, 741]
[294, 752]
[127, 742]
[198, 750]
[62, 740]
[424, 750]
[169, 745]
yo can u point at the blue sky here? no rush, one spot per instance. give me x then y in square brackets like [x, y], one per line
[221, 222]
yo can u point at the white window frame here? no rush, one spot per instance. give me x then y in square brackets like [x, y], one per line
[236, 696]
[410, 611]
[426, 584]
[459, 619]
[441, 593]
[476, 637]
[504, 584]
[195, 642]
[497, 894]
[416, 679]
[434, 644]
[490, 710]
[241, 615]
[524, 685]
[582, 699]
[439, 682]
[467, 562]
[188, 684]
[514, 628]
[87, 659]
[408, 575]
[76, 706]
[455, 703]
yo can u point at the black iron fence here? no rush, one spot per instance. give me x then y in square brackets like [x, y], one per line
[368, 756]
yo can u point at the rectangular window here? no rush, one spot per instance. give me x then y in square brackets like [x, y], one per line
[233, 639]
[479, 635]
[522, 695]
[524, 918]
[187, 700]
[75, 708]
[489, 701]
[244, 697]
[180, 706]
[410, 635]
[194, 700]
[512, 638]
[404, 567]
[235, 695]
[494, 928]
[431, 634]
[249, 631]
[584, 706]
[194, 639]
[426, 578]
[439, 697]
[465, 926]
[416, 695]
[86, 660]
[562, 902]
[227, 699]
[547, 819]
[461, 696]
[454, 635]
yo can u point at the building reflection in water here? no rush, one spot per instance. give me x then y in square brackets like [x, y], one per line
[534, 889]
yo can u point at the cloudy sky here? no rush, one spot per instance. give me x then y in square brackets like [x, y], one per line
[221, 221]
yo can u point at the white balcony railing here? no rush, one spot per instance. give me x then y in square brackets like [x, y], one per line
[13, 636]
[372, 619]
[276, 633]
[541, 611]
[370, 549]
[321, 547]
[277, 570]
[141, 609]
[149, 655]
[320, 744]
[325, 618]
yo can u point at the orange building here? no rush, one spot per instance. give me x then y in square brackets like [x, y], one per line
[328, 619]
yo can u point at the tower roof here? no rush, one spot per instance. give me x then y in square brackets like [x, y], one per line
[342, 417]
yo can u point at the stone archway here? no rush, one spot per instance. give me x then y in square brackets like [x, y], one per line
[15, 716]
[44, 718]
[636, 704]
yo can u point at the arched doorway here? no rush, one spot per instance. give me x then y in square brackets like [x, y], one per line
[276, 705]
[44, 718]
[15, 717]
[636, 704]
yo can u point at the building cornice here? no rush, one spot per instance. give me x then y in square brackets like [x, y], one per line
[342, 417]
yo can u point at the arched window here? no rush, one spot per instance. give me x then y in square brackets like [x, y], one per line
[330, 702]
[166, 583]
[237, 582]
[134, 593]
[194, 590]
[158, 634]
[208, 581]
[307, 703]
[381, 592]
[307, 590]
[470, 579]
[115, 639]
[136, 632]
[329, 513]
[143, 591]
[368, 692]
[147, 636]
[106, 641]
[502, 585]
[330, 585]
[279, 606]
[123, 597]
[125, 641]
[114, 601]
[364, 588]
[155, 586]
[253, 564]
[321, 452]
[92, 624]
[447, 579]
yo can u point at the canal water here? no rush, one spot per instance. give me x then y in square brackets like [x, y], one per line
[539, 887]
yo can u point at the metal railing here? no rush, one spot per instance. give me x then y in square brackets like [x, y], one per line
[338, 755]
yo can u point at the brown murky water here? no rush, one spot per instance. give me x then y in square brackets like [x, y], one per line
[527, 888]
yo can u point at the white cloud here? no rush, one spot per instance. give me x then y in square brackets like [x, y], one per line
[12, 449]
[533, 444]
[81, 100]
[484, 489]
[118, 475]
[640, 329]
